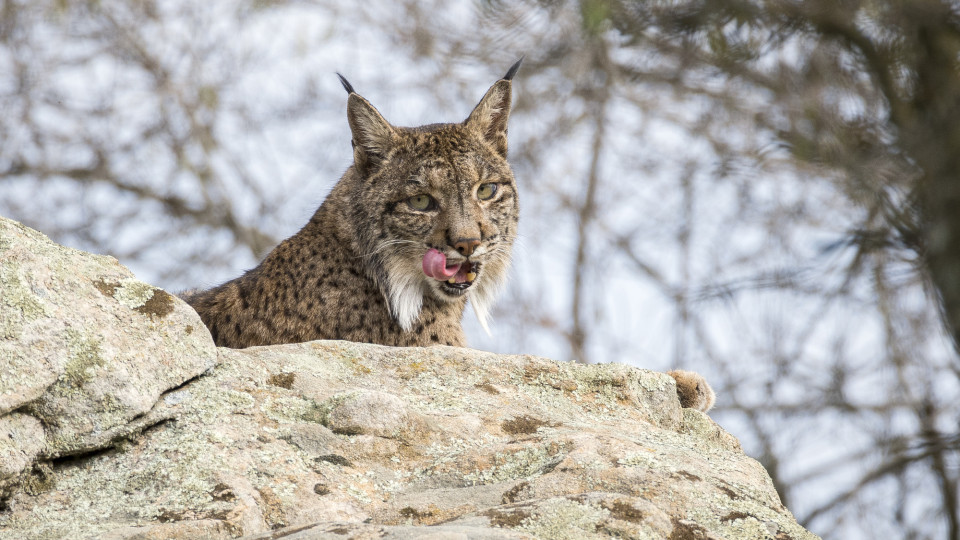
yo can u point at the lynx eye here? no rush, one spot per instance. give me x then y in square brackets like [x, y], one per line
[422, 202]
[486, 191]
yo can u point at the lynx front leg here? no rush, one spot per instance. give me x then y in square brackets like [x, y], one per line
[693, 390]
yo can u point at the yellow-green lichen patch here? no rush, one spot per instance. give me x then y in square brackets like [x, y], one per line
[290, 409]
[20, 304]
[38, 479]
[132, 293]
[85, 357]
[140, 296]
[445, 394]
[706, 434]
[220, 402]
[563, 519]
[646, 459]
[324, 409]
[524, 463]
[747, 513]
[173, 475]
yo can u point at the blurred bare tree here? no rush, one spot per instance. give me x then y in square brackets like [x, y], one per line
[121, 129]
[760, 190]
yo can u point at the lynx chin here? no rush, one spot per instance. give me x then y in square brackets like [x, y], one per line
[420, 224]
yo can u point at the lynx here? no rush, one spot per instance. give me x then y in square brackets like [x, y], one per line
[422, 222]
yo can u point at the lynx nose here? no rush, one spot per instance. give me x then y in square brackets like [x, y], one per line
[465, 246]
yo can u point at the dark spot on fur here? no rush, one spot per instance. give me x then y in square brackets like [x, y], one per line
[321, 489]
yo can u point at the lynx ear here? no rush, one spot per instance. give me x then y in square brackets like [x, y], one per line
[490, 116]
[373, 136]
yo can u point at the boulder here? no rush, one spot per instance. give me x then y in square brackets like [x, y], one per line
[86, 350]
[334, 439]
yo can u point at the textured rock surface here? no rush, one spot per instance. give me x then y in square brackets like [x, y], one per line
[337, 439]
[85, 350]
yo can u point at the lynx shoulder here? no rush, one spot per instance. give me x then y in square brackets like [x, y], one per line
[422, 222]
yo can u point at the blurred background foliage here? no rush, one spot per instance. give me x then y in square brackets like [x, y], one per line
[763, 191]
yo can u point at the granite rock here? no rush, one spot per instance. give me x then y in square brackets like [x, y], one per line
[123, 422]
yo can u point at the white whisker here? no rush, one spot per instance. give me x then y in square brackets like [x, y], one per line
[386, 244]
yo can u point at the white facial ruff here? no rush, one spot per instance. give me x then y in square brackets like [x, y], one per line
[406, 285]
[406, 289]
[485, 292]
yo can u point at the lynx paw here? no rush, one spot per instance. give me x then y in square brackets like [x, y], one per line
[693, 390]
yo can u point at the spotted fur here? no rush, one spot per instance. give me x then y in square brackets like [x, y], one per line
[354, 271]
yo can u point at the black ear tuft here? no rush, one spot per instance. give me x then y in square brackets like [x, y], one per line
[512, 71]
[349, 87]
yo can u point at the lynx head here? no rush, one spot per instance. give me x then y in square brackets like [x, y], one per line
[438, 204]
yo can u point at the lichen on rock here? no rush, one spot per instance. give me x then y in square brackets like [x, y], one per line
[89, 369]
[173, 438]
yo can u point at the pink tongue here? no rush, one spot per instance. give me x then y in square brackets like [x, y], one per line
[435, 265]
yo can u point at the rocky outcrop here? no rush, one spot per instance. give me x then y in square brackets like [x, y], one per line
[86, 350]
[119, 425]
